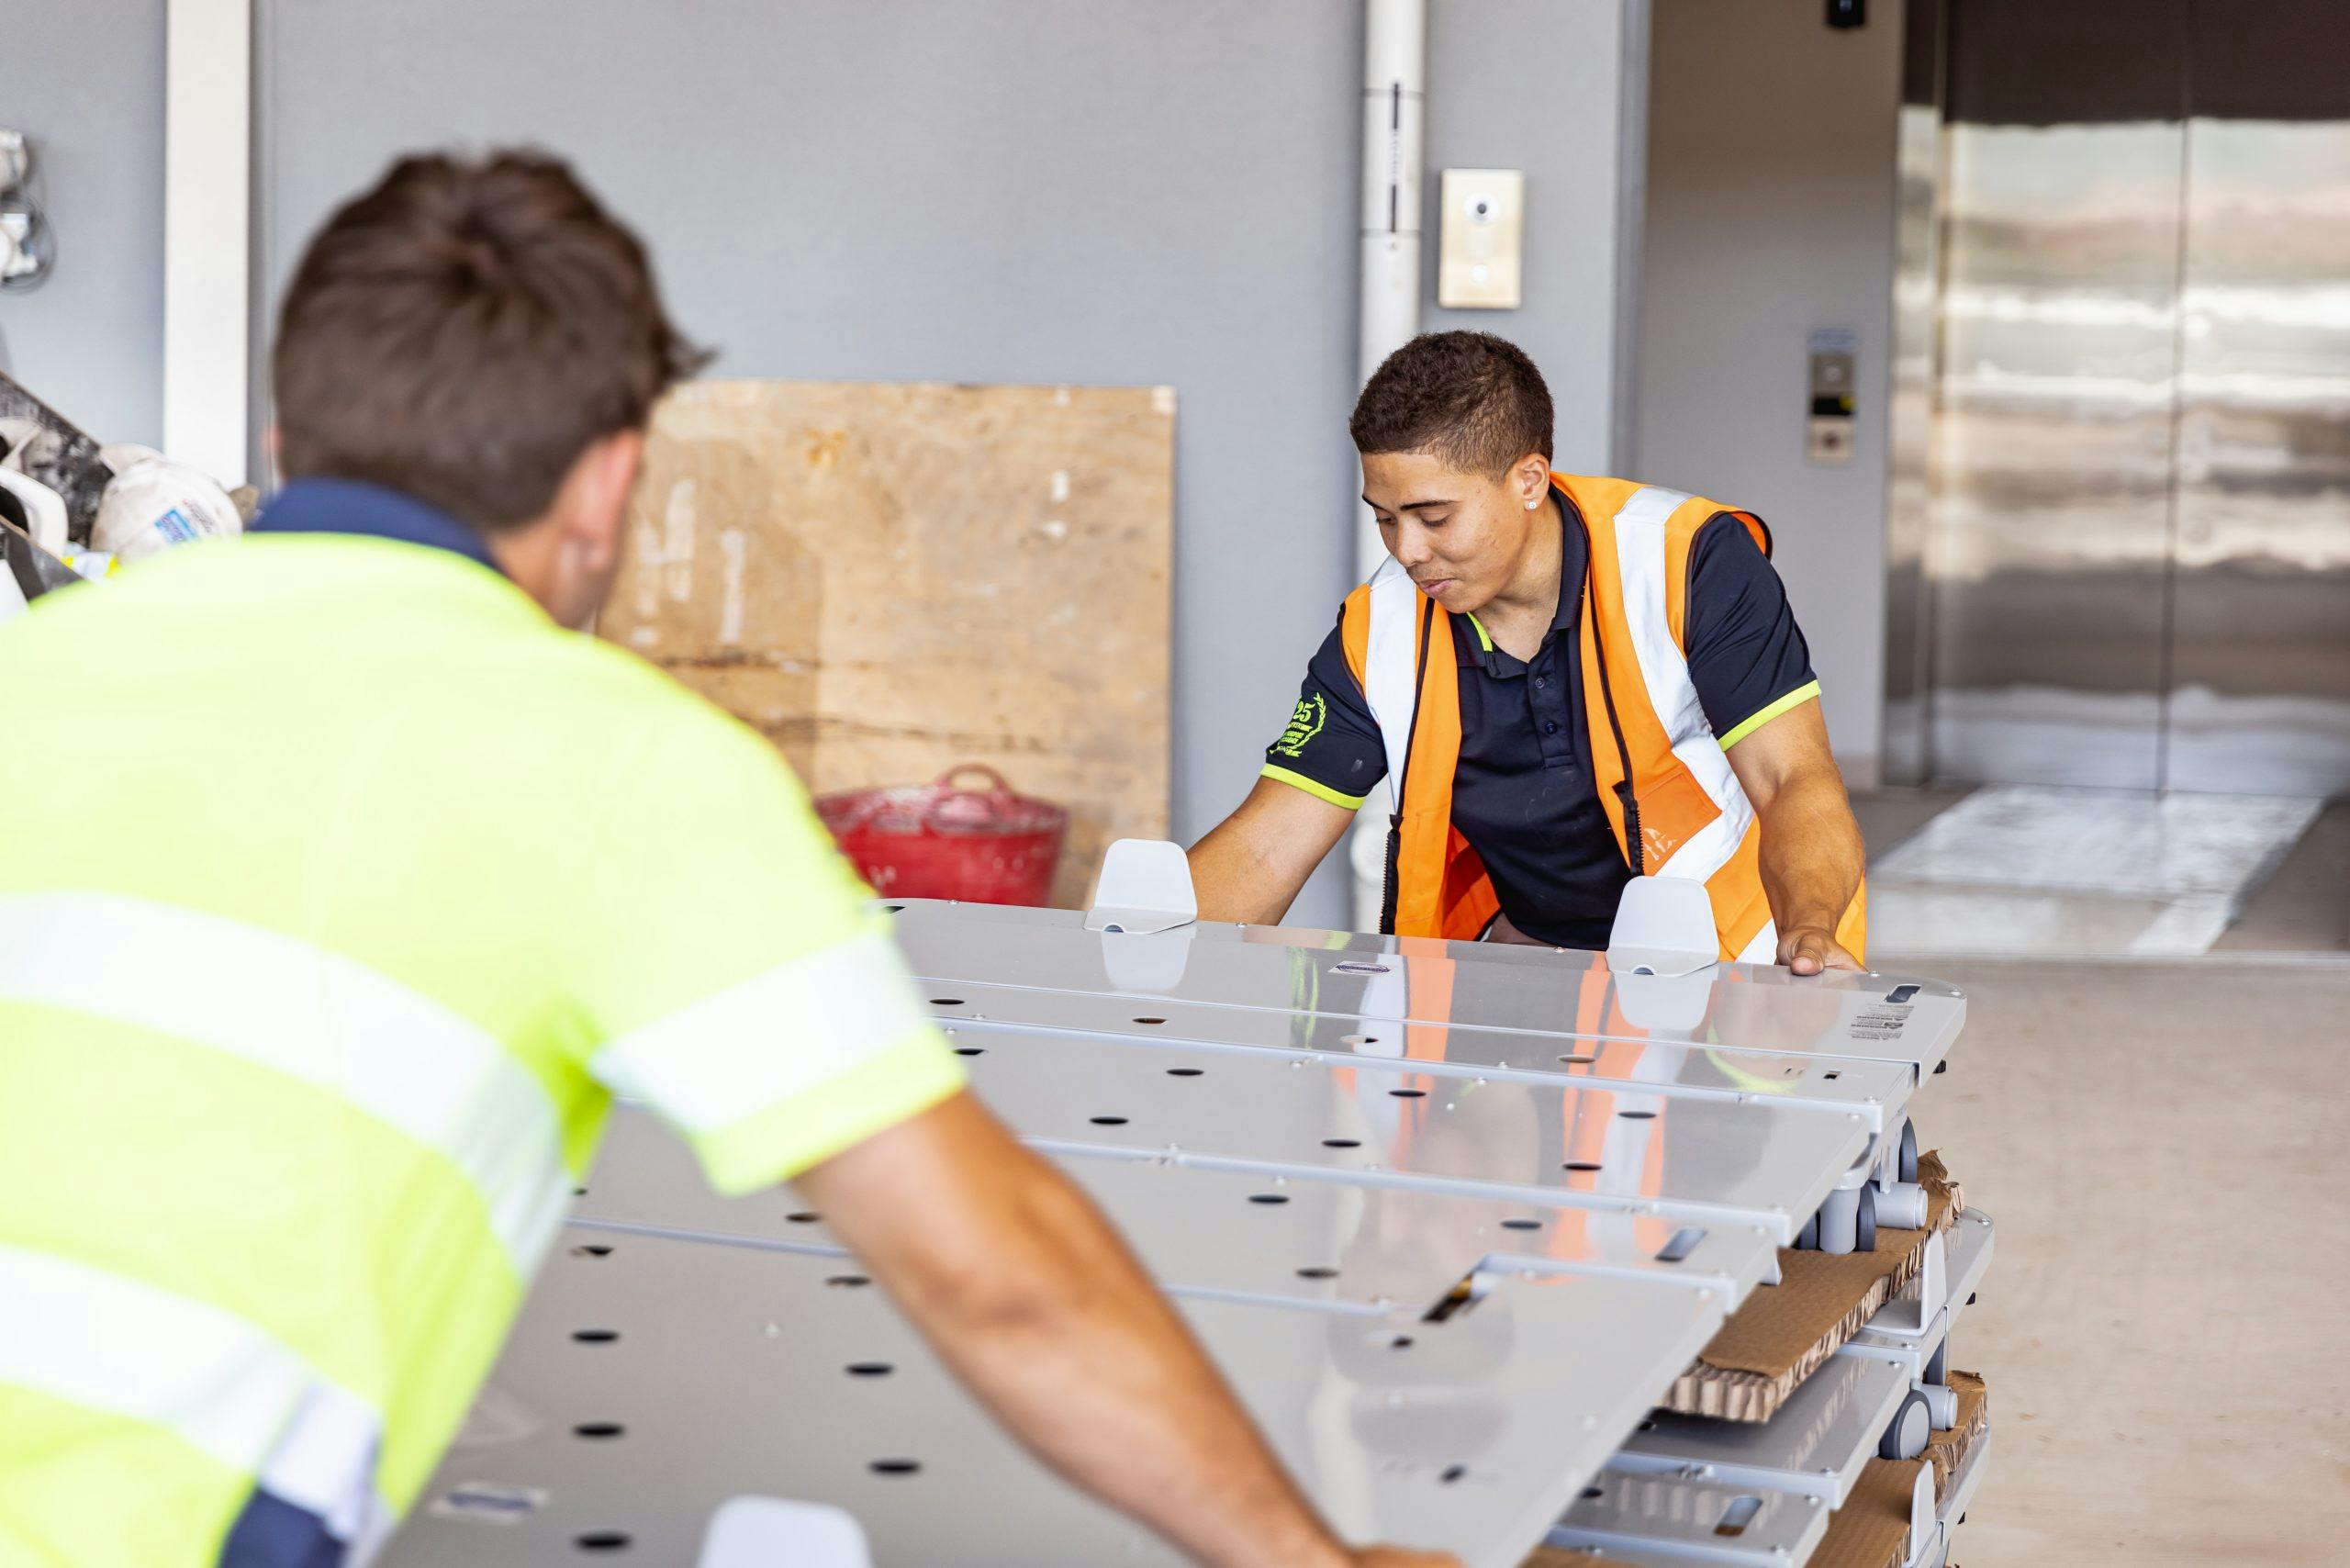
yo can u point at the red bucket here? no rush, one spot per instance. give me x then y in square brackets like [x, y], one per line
[942, 841]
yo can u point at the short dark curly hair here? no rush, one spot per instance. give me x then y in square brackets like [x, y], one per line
[1471, 399]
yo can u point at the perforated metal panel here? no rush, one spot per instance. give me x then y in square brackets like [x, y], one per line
[1309, 1141]
[733, 1370]
[1816, 1442]
[1877, 1090]
[1375, 979]
[1675, 1519]
[1237, 1232]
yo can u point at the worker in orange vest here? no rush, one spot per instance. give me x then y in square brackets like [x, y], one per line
[1565, 682]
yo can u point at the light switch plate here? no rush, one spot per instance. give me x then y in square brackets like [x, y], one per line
[1484, 229]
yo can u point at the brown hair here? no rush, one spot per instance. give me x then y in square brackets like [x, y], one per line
[464, 331]
[1473, 399]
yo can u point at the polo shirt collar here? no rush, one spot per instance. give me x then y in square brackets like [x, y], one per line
[372, 512]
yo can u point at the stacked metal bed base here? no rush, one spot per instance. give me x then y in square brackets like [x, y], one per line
[1452, 1218]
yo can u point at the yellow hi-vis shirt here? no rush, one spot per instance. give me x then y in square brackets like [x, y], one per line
[338, 893]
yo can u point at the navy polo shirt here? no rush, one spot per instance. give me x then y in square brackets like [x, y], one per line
[1524, 794]
[353, 505]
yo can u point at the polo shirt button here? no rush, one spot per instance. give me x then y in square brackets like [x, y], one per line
[1539, 683]
[1550, 726]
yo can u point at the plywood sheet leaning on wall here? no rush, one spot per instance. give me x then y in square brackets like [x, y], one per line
[890, 579]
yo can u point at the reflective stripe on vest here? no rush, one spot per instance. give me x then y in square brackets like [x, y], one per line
[208, 1377]
[1642, 714]
[1391, 663]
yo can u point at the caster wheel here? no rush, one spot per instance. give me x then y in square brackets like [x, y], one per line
[1909, 1151]
[1865, 1222]
[1808, 1238]
[1839, 1221]
[1906, 1438]
[1902, 1206]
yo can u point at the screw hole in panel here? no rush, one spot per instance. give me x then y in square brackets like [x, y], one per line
[947, 1001]
[1591, 1492]
[968, 1051]
[595, 1336]
[896, 1466]
[1269, 1197]
[1452, 1474]
[1109, 1121]
[598, 1429]
[1409, 1094]
[602, 1541]
[1150, 1020]
[1684, 1242]
[1738, 1515]
[1580, 1061]
[871, 1369]
[1342, 1143]
[594, 1249]
[1637, 1116]
[805, 1216]
[1583, 1165]
[1521, 1225]
[848, 1282]
[1185, 1072]
[1318, 1272]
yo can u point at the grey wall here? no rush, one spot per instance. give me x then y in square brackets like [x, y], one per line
[1151, 192]
[1771, 205]
[1538, 85]
[86, 83]
[1155, 191]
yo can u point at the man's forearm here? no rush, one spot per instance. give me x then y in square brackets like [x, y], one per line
[1079, 1354]
[1251, 866]
[1811, 852]
[1234, 881]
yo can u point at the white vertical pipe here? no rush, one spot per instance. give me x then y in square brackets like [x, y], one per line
[208, 197]
[1394, 101]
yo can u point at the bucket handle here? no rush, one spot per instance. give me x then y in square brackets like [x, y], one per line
[995, 780]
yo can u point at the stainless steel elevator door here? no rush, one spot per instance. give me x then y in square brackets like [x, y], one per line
[2259, 692]
[2137, 528]
[2049, 532]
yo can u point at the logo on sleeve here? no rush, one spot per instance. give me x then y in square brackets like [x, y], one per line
[1304, 725]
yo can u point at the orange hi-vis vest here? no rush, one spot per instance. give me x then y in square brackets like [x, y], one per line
[1664, 783]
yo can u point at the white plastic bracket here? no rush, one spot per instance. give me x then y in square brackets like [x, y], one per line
[1925, 1526]
[757, 1532]
[1913, 1316]
[1144, 888]
[1663, 926]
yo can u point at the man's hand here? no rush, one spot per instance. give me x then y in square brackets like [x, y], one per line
[1032, 1300]
[1810, 950]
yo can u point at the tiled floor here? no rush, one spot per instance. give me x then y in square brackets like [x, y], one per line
[2032, 872]
[2162, 1145]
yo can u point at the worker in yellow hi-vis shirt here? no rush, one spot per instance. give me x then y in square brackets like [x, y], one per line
[347, 886]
